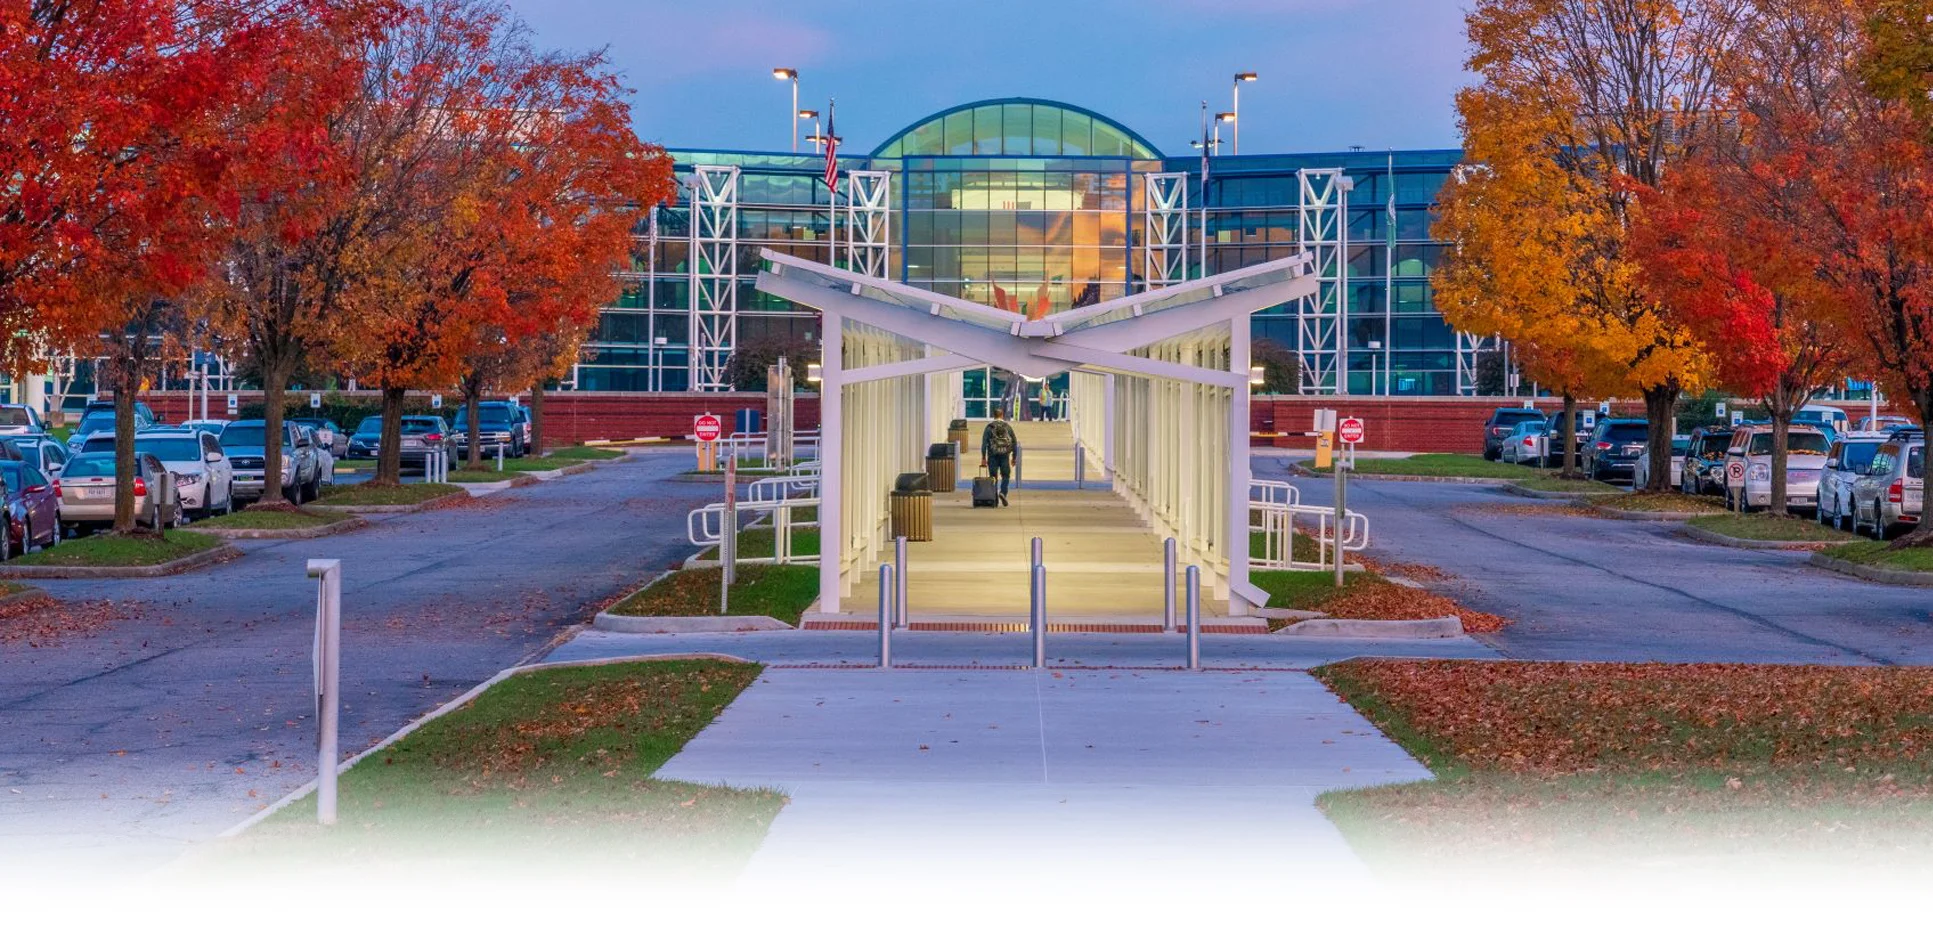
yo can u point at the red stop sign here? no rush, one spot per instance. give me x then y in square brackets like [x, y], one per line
[707, 427]
[1349, 429]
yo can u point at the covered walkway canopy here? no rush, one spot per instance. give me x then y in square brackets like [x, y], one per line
[1159, 394]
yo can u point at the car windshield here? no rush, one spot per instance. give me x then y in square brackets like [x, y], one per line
[415, 426]
[1796, 442]
[1504, 417]
[98, 420]
[240, 434]
[89, 466]
[492, 418]
[172, 449]
[1624, 432]
[370, 425]
[15, 416]
[1713, 443]
[1857, 455]
[11, 471]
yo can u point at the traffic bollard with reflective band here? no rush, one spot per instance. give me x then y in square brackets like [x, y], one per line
[886, 619]
[1038, 608]
[328, 681]
[1194, 616]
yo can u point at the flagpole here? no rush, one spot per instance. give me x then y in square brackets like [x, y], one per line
[1204, 189]
[1389, 274]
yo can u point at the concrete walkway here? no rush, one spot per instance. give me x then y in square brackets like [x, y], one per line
[1158, 784]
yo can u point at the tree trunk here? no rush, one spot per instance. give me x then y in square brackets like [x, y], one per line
[1569, 424]
[275, 388]
[125, 380]
[472, 386]
[1659, 404]
[1781, 449]
[1921, 535]
[537, 418]
[389, 450]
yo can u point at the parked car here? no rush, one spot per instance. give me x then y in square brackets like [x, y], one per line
[41, 451]
[245, 443]
[1846, 460]
[1805, 459]
[421, 434]
[1525, 444]
[87, 490]
[1641, 469]
[1502, 421]
[328, 435]
[1829, 419]
[325, 457]
[1891, 496]
[204, 476]
[367, 437]
[98, 417]
[1614, 448]
[212, 426]
[1881, 424]
[19, 420]
[1554, 436]
[1704, 469]
[499, 424]
[33, 508]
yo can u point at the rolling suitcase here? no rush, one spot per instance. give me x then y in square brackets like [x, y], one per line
[986, 491]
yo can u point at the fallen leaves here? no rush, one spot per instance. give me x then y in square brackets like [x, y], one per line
[1401, 602]
[44, 621]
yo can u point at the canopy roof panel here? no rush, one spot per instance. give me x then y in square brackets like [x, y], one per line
[1017, 126]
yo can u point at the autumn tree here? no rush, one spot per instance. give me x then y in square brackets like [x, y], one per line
[1611, 86]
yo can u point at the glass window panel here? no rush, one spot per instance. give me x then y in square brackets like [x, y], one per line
[1110, 141]
[919, 227]
[959, 133]
[1413, 223]
[1076, 132]
[973, 227]
[1419, 188]
[986, 130]
[1017, 122]
[1001, 228]
[1031, 228]
[928, 139]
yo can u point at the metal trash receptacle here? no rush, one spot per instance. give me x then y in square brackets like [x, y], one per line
[956, 433]
[942, 468]
[912, 507]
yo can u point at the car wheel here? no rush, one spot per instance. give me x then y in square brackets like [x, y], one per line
[228, 503]
[26, 536]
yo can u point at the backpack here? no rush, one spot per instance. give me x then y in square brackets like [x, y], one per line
[999, 439]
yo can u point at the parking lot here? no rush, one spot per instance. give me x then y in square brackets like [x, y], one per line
[181, 705]
[1586, 588]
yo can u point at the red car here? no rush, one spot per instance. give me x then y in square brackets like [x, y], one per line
[33, 508]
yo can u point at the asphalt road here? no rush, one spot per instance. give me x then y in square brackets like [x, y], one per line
[1613, 590]
[178, 707]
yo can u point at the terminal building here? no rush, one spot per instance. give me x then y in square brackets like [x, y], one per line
[1041, 207]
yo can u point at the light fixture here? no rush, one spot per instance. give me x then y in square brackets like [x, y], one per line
[1257, 375]
[791, 74]
[1224, 117]
[785, 74]
[814, 372]
[808, 114]
[1241, 77]
[1245, 76]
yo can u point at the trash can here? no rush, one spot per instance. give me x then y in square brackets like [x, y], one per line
[942, 468]
[912, 507]
[956, 433]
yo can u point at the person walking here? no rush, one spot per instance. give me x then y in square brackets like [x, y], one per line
[999, 450]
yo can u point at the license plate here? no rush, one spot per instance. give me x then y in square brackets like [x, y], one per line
[412, 444]
[1633, 450]
[94, 493]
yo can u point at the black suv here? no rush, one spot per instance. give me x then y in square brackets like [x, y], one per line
[1502, 422]
[1704, 471]
[1614, 448]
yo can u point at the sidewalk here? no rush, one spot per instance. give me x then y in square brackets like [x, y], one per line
[1165, 785]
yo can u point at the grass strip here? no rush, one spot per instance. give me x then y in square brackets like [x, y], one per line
[1767, 527]
[757, 543]
[584, 454]
[367, 495]
[110, 550]
[781, 592]
[1662, 502]
[549, 769]
[277, 519]
[1438, 465]
[1882, 555]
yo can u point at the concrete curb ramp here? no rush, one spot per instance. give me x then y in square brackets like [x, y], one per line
[1435, 628]
[1720, 539]
[220, 553]
[624, 623]
[307, 532]
[1870, 573]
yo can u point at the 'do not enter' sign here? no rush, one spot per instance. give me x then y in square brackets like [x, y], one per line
[1349, 429]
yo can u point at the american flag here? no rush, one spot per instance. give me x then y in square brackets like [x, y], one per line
[832, 148]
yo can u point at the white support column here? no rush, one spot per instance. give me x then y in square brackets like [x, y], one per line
[1107, 429]
[832, 456]
[1235, 523]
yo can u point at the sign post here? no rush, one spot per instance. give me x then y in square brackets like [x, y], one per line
[315, 401]
[1346, 428]
[728, 539]
[1735, 478]
[234, 403]
[707, 428]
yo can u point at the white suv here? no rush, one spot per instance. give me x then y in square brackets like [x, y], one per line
[1805, 457]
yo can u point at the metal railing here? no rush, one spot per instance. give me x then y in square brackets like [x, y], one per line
[1275, 512]
[758, 446]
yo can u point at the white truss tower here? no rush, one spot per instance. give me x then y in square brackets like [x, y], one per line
[1165, 239]
[1322, 321]
[868, 222]
[713, 265]
[1468, 350]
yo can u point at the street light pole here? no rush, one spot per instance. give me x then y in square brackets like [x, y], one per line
[818, 134]
[791, 74]
[1236, 116]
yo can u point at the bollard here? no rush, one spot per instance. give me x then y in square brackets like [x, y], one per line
[1168, 585]
[500, 456]
[328, 681]
[886, 619]
[1080, 467]
[899, 585]
[1194, 617]
[1037, 606]
[1038, 559]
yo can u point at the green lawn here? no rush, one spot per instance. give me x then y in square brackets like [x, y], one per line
[1662, 502]
[272, 520]
[1440, 465]
[552, 769]
[1878, 555]
[1303, 548]
[11, 588]
[1763, 526]
[107, 549]
[584, 453]
[1559, 765]
[1312, 590]
[363, 495]
[781, 592]
[61, 432]
[756, 543]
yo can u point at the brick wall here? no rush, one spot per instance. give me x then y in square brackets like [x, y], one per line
[1398, 424]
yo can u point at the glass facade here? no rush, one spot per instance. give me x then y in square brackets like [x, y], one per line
[1038, 207]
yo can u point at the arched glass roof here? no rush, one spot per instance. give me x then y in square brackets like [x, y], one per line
[1017, 126]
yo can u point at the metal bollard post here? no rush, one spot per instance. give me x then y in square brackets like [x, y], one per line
[899, 586]
[886, 618]
[1194, 617]
[1168, 585]
[1037, 606]
[1080, 467]
[500, 456]
[1036, 549]
[328, 682]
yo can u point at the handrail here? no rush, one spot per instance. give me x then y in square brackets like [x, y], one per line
[1274, 514]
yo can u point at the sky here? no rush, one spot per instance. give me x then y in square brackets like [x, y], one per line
[1333, 73]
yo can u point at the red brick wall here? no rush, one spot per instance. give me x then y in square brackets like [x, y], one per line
[1397, 424]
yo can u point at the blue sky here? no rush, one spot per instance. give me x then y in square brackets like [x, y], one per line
[1334, 73]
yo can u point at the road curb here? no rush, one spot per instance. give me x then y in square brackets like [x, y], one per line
[26, 593]
[1892, 576]
[1435, 628]
[480, 488]
[220, 553]
[390, 508]
[1649, 516]
[454, 704]
[625, 623]
[309, 532]
[1720, 539]
[1522, 491]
